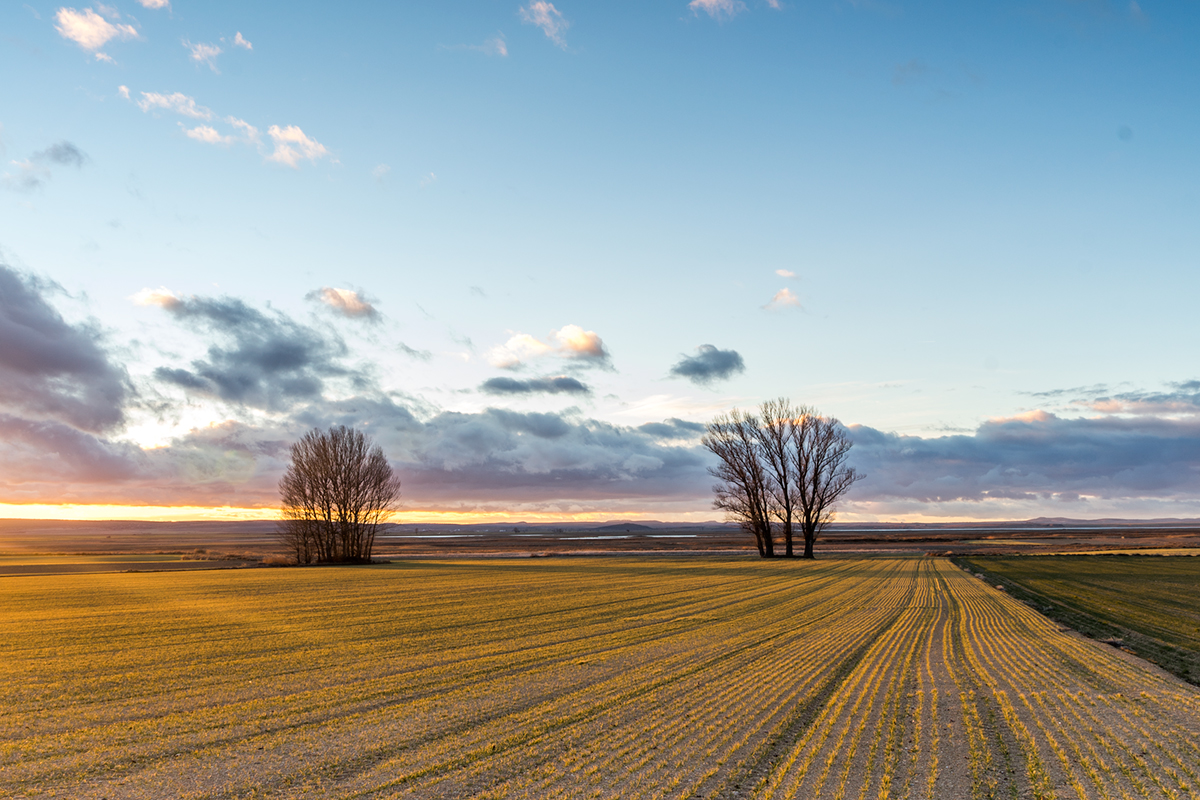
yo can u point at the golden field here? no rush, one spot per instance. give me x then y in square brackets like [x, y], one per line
[655, 677]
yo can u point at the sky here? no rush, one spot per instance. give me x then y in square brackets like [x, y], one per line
[532, 248]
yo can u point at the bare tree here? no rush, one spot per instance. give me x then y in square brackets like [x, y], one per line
[781, 469]
[742, 490]
[776, 439]
[819, 457]
[336, 493]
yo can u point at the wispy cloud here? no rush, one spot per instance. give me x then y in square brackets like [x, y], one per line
[347, 302]
[204, 53]
[720, 9]
[909, 72]
[784, 298]
[785, 273]
[33, 172]
[548, 18]
[292, 146]
[155, 4]
[240, 41]
[177, 102]
[496, 46]
[249, 132]
[90, 30]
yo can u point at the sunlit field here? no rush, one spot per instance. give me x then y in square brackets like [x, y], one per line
[1150, 604]
[582, 677]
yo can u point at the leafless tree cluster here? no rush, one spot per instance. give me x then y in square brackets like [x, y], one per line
[336, 493]
[780, 470]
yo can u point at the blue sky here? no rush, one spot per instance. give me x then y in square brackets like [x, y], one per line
[950, 226]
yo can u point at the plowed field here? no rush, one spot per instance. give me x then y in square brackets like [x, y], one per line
[603, 677]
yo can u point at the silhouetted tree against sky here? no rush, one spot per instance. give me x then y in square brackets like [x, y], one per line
[782, 468]
[336, 493]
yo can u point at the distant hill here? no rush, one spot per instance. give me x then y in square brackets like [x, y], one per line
[625, 527]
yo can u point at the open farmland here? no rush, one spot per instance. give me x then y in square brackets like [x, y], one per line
[1148, 603]
[608, 677]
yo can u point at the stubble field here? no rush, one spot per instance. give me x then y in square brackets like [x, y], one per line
[655, 677]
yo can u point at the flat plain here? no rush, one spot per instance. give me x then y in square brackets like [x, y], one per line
[651, 677]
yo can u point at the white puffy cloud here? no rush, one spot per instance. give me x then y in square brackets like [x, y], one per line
[161, 297]
[292, 146]
[155, 4]
[208, 134]
[123, 91]
[548, 18]
[785, 273]
[89, 30]
[177, 102]
[570, 341]
[719, 9]
[240, 41]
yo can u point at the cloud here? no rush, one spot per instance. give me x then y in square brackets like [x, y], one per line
[909, 72]
[709, 365]
[493, 47]
[783, 299]
[557, 385]
[379, 171]
[1034, 456]
[265, 361]
[240, 41]
[123, 91]
[177, 102]
[208, 134]
[548, 18]
[155, 4]
[785, 273]
[248, 131]
[346, 302]
[719, 9]
[423, 355]
[51, 370]
[33, 172]
[569, 342]
[204, 53]
[673, 428]
[292, 146]
[161, 297]
[89, 30]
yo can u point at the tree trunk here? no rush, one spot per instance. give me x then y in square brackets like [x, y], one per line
[808, 545]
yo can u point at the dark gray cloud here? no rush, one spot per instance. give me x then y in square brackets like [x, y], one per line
[560, 384]
[673, 428]
[709, 365]
[1036, 456]
[51, 369]
[500, 455]
[266, 361]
